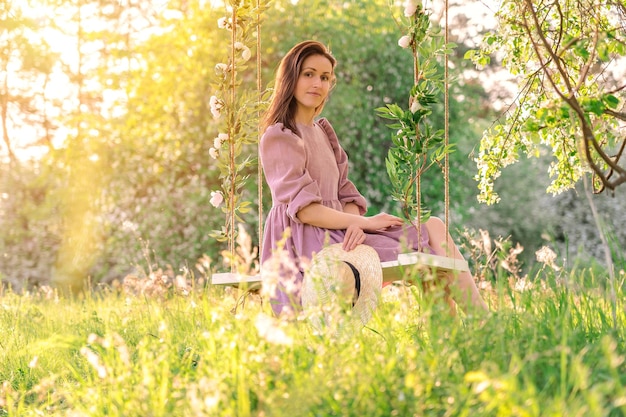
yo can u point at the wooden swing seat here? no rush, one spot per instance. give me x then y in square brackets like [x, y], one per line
[392, 270]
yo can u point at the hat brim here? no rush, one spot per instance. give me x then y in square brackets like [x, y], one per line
[320, 280]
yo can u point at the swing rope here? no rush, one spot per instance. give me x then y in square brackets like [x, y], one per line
[231, 142]
[446, 121]
[259, 86]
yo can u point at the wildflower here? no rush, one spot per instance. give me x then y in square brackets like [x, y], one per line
[182, 285]
[122, 349]
[129, 226]
[523, 285]
[221, 68]
[279, 270]
[214, 153]
[268, 328]
[219, 140]
[545, 255]
[410, 7]
[269, 284]
[486, 240]
[416, 105]
[6, 392]
[404, 41]
[94, 360]
[216, 106]
[245, 54]
[48, 293]
[33, 362]
[223, 23]
[216, 198]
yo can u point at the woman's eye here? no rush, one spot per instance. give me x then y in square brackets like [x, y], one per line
[325, 78]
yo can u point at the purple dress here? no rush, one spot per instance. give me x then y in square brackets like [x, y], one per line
[313, 168]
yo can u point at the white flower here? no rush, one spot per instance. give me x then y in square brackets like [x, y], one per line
[404, 41]
[214, 153]
[33, 362]
[216, 198]
[219, 140]
[523, 285]
[415, 106]
[216, 107]
[215, 102]
[547, 256]
[223, 23]
[245, 51]
[129, 226]
[94, 360]
[269, 329]
[246, 54]
[221, 68]
[410, 7]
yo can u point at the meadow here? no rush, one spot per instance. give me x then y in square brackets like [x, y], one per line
[549, 347]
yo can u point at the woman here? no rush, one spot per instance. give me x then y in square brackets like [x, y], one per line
[313, 199]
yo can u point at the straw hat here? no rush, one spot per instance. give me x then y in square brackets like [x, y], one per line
[334, 276]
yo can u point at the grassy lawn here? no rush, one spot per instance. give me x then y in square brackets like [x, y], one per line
[547, 349]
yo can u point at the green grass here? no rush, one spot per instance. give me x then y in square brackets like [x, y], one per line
[551, 350]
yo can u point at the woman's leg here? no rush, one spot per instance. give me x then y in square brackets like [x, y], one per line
[461, 284]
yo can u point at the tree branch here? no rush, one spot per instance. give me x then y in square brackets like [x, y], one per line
[548, 47]
[617, 115]
[590, 60]
[588, 136]
[4, 117]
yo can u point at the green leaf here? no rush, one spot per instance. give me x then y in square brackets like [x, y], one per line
[490, 38]
[470, 54]
[611, 101]
[593, 105]
[581, 50]
[484, 60]
[531, 125]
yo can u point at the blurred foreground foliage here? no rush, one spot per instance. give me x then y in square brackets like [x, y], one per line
[161, 348]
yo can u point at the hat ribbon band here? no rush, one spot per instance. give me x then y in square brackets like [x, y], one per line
[357, 282]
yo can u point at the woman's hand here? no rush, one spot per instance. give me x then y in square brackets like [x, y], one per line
[319, 215]
[354, 237]
[382, 221]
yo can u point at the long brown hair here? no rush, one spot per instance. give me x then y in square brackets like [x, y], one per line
[283, 105]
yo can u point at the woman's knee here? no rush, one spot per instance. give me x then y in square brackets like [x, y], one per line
[435, 223]
[436, 231]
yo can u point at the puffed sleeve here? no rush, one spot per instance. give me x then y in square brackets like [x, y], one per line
[283, 158]
[348, 192]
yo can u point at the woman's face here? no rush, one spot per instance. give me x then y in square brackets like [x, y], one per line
[314, 83]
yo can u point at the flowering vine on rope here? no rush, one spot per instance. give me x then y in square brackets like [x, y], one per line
[235, 107]
[416, 145]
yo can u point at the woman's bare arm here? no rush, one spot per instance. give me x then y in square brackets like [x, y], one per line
[319, 215]
[352, 209]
